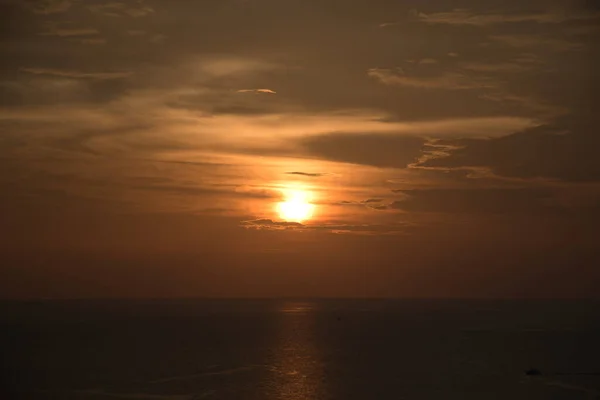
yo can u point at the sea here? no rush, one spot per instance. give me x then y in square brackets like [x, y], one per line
[288, 349]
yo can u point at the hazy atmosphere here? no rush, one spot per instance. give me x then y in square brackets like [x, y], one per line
[300, 148]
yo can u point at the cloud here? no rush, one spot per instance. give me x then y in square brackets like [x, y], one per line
[536, 41]
[378, 150]
[391, 229]
[77, 74]
[141, 184]
[42, 89]
[528, 58]
[268, 91]
[122, 9]
[428, 61]
[477, 201]
[368, 201]
[91, 41]
[312, 175]
[531, 103]
[374, 204]
[386, 24]
[178, 189]
[497, 67]
[259, 192]
[447, 80]
[461, 16]
[270, 224]
[565, 150]
[48, 6]
[160, 127]
[334, 228]
[486, 80]
[67, 30]
[168, 186]
[140, 11]
[226, 66]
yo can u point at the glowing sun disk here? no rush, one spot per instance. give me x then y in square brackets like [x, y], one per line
[296, 207]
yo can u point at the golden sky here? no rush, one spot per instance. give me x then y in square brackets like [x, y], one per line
[299, 148]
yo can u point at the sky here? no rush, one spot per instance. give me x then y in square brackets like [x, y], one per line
[436, 148]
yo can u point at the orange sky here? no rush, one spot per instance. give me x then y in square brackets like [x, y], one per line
[443, 150]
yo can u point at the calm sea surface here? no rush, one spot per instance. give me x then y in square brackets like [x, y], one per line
[299, 350]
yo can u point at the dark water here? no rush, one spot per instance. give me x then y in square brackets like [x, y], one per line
[296, 350]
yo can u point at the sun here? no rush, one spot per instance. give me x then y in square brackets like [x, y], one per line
[296, 207]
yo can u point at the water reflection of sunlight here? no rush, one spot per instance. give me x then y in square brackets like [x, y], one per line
[297, 308]
[297, 367]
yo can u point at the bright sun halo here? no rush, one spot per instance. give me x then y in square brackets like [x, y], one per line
[296, 207]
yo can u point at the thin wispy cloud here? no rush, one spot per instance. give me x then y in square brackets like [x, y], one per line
[224, 66]
[308, 174]
[533, 41]
[372, 204]
[446, 80]
[122, 9]
[499, 67]
[428, 61]
[48, 6]
[77, 74]
[547, 151]
[333, 228]
[266, 91]
[461, 16]
[68, 30]
[89, 41]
